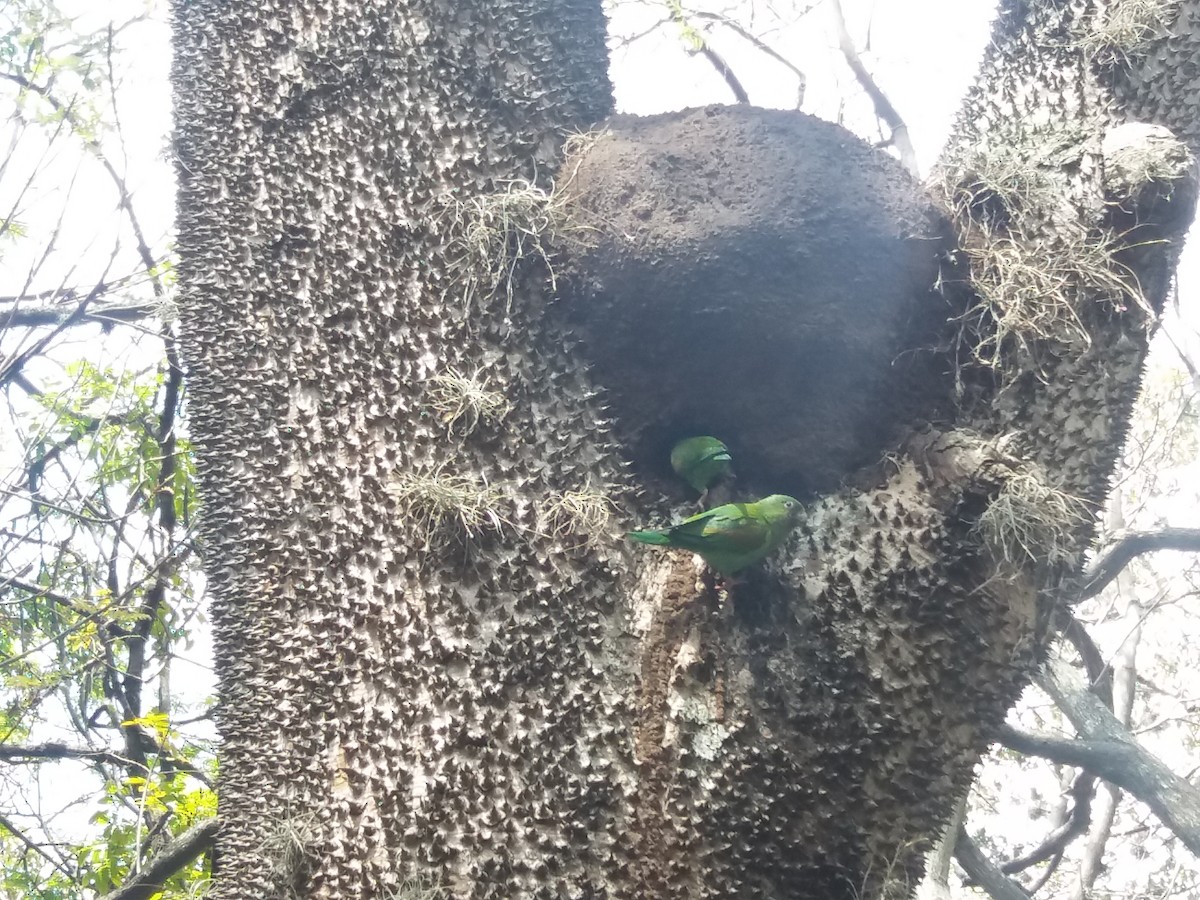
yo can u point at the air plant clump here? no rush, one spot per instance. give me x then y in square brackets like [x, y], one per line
[996, 183]
[585, 513]
[496, 233]
[1127, 28]
[457, 397]
[1031, 286]
[438, 500]
[1145, 164]
[419, 888]
[1031, 521]
[288, 851]
[1032, 290]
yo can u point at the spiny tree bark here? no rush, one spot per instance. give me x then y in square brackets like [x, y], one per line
[437, 666]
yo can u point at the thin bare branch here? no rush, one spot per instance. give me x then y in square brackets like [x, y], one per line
[723, 69]
[1078, 820]
[37, 848]
[759, 44]
[884, 109]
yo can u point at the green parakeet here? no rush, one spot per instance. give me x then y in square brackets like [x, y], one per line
[732, 536]
[700, 461]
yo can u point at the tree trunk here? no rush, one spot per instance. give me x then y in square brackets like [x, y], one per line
[439, 667]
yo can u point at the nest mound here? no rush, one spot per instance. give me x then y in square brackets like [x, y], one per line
[759, 275]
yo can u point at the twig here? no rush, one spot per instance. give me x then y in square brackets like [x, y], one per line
[883, 106]
[725, 72]
[36, 847]
[760, 45]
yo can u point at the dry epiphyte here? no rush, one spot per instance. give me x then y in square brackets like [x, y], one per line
[288, 850]
[1126, 28]
[495, 233]
[440, 499]
[1033, 290]
[731, 537]
[997, 182]
[585, 513]
[1031, 286]
[1031, 521]
[419, 888]
[701, 461]
[1144, 163]
[457, 397]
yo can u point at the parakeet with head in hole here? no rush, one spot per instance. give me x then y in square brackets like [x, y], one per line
[732, 536]
[701, 461]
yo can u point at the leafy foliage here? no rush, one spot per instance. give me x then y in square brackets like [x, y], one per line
[105, 744]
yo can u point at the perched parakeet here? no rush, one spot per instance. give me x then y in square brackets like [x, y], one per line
[732, 536]
[700, 461]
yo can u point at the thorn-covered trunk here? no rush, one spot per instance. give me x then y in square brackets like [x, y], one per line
[441, 669]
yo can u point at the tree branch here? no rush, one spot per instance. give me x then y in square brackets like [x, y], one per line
[59, 314]
[1107, 750]
[56, 751]
[1079, 819]
[725, 72]
[35, 847]
[177, 854]
[1103, 570]
[1100, 674]
[982, 872]
[760, 45]
[883, 106]
[699, 44]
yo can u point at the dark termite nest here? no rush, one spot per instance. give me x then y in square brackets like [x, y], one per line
[758, 275]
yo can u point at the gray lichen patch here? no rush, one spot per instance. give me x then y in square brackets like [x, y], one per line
[1150, 181]
[758, 275]
[1139, 153]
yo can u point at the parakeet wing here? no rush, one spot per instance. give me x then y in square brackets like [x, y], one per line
[727, 529]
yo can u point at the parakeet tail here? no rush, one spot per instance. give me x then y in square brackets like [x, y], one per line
[648, 537]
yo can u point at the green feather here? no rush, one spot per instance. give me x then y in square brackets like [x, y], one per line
[701, 461]
[732, 536]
